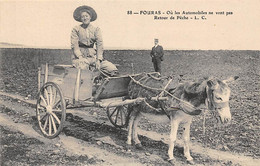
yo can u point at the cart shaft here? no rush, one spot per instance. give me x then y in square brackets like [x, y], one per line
[127, 101]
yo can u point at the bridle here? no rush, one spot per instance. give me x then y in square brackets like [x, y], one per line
[212, 105]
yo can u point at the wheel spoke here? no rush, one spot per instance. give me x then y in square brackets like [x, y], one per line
[54, 96]
[46, 122]
[124, 115]
[124, 110]
[121, 114]
[53, 123]
[57, 119]
[113, 113]
[43, 118]
[56, 104]
[41, 107]
[116, 116]
[50, 88]
[44, 101]
[41, 110]
[47, 96]
[50, 125]
[56, 110]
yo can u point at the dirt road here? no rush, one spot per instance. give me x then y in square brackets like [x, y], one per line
[89, 139]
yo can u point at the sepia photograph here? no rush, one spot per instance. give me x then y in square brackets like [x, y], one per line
[129, 83]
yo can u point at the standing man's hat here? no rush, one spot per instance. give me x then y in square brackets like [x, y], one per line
[88, 9]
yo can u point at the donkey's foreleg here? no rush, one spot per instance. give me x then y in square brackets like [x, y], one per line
[173, 135]
[130, 128]
[135, 133]
[186, 139]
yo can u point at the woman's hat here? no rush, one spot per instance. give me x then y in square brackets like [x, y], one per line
[88, 9]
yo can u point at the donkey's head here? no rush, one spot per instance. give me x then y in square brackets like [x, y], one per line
[218, 94]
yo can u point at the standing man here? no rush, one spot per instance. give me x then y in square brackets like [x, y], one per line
[157, 56]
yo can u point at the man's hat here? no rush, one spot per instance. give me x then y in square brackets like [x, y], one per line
[88, 9]
[156, 39]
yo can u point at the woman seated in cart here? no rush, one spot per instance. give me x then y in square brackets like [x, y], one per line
[83, 39]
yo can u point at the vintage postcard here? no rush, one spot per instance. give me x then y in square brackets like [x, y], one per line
[137, 82]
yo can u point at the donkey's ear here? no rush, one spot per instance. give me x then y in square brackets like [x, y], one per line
[210, 83]
[230, 79]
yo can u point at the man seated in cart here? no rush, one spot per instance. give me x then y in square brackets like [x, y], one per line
[83, 39]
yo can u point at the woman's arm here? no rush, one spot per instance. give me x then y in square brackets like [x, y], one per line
[75, 43]
[99, 43]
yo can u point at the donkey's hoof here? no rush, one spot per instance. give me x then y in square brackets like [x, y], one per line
[128, 147]
[139, 146]
[172, 161]
[191, 162]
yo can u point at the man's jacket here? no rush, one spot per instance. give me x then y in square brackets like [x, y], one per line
[157, 53]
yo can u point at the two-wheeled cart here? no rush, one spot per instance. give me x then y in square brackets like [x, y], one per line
[64, 87]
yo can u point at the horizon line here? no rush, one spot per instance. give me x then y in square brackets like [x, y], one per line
[132, 48]
[12, 45]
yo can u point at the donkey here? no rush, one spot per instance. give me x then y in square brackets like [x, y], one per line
[184, 101]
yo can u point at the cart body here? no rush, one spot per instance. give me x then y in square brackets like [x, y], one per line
[69, 78]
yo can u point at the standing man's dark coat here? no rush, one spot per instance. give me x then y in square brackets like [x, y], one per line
[157, 56]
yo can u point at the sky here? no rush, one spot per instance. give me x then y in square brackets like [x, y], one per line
[43, 24]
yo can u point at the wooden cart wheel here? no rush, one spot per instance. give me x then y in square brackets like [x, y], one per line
[50, 110]
[119, 116]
